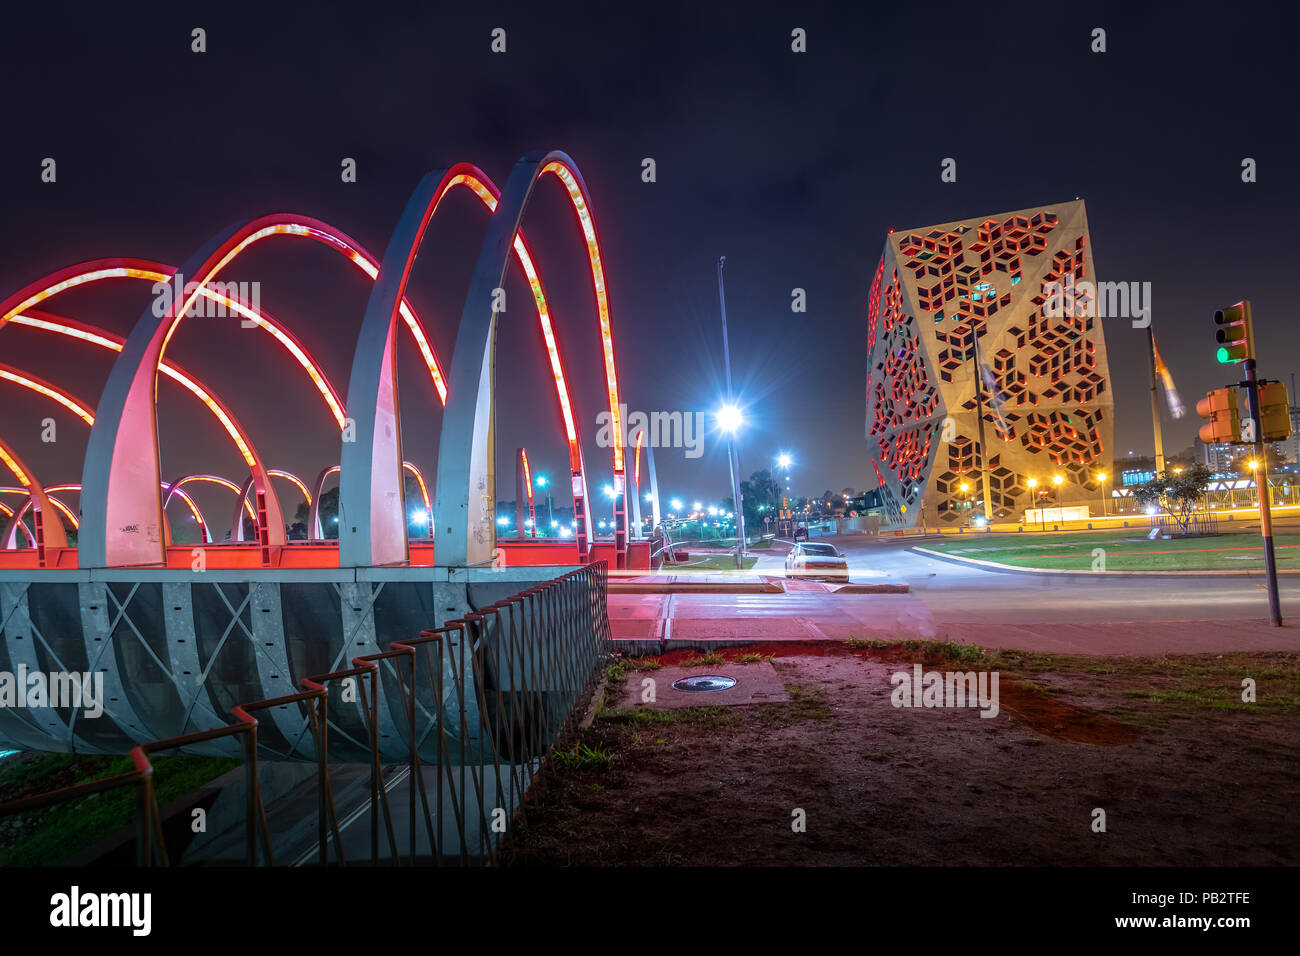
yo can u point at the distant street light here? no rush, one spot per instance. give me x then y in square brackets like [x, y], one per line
[1101, 477]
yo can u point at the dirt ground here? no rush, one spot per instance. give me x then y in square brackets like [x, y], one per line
[1186, 773]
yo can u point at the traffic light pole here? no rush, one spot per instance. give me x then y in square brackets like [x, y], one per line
[1261, 487]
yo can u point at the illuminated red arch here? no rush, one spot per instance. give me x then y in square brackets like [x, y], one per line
[314, 530]
[78, 408]
[118, 470]
[82, 331]
[205, 532]
[369, 486]
[177, 488]
[47, 322]
[47, 534]
[41, 387]
[279, 224]
[236, 522]
[148, 270]
[9, 513]
[11, 538]
[302, 226]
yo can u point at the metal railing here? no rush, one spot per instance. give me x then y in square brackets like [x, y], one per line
[499, 691]
[1200, 522]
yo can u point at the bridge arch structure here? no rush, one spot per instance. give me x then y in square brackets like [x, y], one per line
[122, 494]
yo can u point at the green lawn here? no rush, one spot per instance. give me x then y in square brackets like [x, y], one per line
[1124, 550]
[54, 834]
[714, 562]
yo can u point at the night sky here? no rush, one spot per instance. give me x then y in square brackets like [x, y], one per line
[793, 166]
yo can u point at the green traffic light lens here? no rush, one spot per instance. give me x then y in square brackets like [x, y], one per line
[1223, 356]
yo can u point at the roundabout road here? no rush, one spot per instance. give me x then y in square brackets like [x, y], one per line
[1078, 613]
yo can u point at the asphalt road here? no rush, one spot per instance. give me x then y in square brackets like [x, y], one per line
[1080, 613]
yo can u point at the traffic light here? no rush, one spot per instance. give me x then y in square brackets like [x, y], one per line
[1235, 335]
[1274, 412]
[1220, 407]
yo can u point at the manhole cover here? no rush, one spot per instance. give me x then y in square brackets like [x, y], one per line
[705, 682]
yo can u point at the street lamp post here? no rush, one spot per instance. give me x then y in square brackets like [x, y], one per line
[1033, 484]
[542, 481]
[1101, 477]
[733, 459]
[612, 495]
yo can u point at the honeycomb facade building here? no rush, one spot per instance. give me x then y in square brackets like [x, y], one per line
[963, 332]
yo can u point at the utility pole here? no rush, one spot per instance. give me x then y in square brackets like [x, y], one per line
[979, 418]
[733, 460]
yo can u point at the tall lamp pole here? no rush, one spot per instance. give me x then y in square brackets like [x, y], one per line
[733, 460]
[1155, 401]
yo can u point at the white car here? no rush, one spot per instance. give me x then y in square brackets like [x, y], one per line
[814, 560]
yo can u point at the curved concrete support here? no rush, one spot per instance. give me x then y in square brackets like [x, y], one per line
[373, 359]
[636, 484]
[654, 486]
[372, 513]
[121, 505]
[465, 529]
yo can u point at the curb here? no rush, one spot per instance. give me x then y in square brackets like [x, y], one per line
[695, 587]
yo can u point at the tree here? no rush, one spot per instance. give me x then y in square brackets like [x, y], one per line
[1176, 493]
[761, 491]
[328, 510]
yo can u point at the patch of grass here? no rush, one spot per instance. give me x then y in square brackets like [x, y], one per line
[617, 672]
[680, 715]
[711, 659]
[56, 833]
[753, 658]
[1215, 698]
[717, 562]
[934, 651]
[583, 757]
[806, 703]
[857, 643]
[1014, 660]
